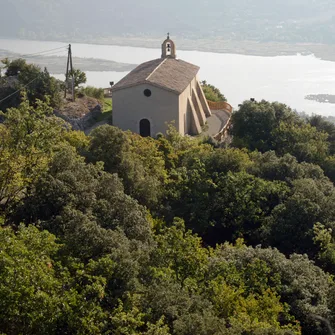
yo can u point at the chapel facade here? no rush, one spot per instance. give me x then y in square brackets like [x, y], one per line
[159, 92]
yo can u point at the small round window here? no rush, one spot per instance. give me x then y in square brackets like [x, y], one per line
[147, 93]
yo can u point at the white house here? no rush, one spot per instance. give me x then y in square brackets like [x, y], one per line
[158, 92]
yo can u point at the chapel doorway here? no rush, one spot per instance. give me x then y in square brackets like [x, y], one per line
[145, 128]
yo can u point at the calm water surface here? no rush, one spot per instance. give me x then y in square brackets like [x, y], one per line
[286, 79]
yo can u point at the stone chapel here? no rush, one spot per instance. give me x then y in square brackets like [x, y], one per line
[159, 92]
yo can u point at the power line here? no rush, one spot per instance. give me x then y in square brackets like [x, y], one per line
[45, 51]
[46, 54]
[55, 53]
[41, 53]
[18, 90]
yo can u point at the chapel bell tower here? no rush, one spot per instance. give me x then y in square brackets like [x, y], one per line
[168, 48]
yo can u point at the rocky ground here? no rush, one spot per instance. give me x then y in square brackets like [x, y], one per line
[83, 114]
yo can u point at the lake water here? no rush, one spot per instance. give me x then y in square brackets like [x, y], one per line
[286, 79]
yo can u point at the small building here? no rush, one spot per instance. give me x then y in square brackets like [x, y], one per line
[159, 92]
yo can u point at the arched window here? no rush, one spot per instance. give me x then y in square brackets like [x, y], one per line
[145, 128]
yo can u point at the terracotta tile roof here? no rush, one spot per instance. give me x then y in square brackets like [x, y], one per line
[169, 73]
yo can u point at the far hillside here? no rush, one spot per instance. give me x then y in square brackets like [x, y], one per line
[293, 21]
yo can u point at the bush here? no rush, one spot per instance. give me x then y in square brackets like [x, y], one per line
[37, 83]
[212, 93]
[93, 92]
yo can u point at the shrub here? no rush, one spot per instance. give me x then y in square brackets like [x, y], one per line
[93, 92]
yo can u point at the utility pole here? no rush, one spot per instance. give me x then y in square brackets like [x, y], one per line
[69, 66]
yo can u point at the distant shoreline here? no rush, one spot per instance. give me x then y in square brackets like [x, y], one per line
[322, 98]
[215, 45]
[57, 64]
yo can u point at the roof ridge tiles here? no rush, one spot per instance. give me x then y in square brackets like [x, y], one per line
[169, 73]
[160, 64]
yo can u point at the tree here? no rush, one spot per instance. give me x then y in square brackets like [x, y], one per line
[269, 166]
[47, 86]
[135, 159]
[212, 93]
[303, 141]
[255, 122]
[201, 294]
[111, 244]
[328, 166]
[240, 206]
[290, 226]
[37, 84]
[8, 87]
[268, 126]
[323, 237]
[15, 67]
[321, 124]
[29, 136]
[78, 76]
[225, 160]
[181, 252]
[70, 187]
[39, 295]
[301, 285]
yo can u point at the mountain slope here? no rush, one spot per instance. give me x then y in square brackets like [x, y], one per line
[261, 20]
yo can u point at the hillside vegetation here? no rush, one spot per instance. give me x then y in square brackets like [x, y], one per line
[261, 20]
[117, 234]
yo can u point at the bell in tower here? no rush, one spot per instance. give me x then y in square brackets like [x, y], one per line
[168, 48]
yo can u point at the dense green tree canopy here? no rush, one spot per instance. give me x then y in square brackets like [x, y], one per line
[36, 83]
[113, 233]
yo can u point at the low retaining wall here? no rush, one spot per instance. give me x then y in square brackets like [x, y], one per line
[224, 132]
[225, 106]
[220, 105]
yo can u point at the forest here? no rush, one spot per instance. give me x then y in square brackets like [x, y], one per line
[112, 233]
